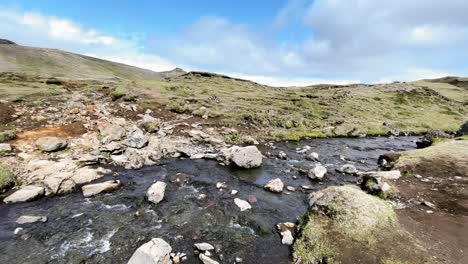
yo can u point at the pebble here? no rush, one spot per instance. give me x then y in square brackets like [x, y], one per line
[242, 204]
[204, 246]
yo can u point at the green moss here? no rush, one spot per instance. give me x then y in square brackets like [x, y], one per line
[177, 107]
[7, 178]
[7, 135]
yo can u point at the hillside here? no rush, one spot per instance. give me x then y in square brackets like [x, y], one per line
[62, 64]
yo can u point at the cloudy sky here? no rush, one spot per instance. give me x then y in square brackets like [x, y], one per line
[295, 42]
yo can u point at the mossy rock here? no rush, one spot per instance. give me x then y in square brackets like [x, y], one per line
[7, 135]
[7, 178]
[347, 225]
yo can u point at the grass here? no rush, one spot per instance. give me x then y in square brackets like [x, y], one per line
[119, 92]
[7, 178]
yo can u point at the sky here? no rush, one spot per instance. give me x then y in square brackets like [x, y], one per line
[280, 43]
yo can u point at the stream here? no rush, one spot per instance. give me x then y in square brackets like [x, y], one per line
[108, 228]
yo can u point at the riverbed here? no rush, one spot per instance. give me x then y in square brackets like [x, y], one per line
[108, 228]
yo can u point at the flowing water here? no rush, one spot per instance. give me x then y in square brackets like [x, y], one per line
[109, 228]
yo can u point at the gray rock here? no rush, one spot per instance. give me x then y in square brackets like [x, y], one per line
[244, 157]
[204, 246]
[275, 185]
[157, 251]
[207, 260]
[113, 147]
[348, 169]
[111, 132]
[313, 156]
[389, 175]
[282, 155]
[25, 194]
[29, 219]
[136, 138]
[156, 192]
[51, 144]
[317, 172]
[103, 187]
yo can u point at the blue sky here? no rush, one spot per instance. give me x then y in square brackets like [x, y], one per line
[290, 42]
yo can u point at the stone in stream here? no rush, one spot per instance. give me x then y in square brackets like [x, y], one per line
[317, 172]
[156, 251]
[207, 260]
[51, 144]
[29, 219]
[156, 192]
[242, 204]
[244, 157]
[282, 155]
[348, 169]
[275, 185]
[25, 194]
[204, 246]
[312, 156]
[287, 231]
[97, 188]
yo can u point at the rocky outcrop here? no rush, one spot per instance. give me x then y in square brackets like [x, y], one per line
[156, 251]
[25, 194]
[155, 193]
[103, 187]
[51, 144]
[244, 157]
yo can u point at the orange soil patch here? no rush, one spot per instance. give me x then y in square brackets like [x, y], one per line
[67, 131]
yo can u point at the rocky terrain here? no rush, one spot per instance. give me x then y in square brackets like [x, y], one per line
[67, 132]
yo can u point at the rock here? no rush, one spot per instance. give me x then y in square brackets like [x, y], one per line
[113, 147]
[207, 260]
[249, 140]
[156, 192]
[291, 188]
[388, 160]
[275, 185]
[111, 132]
[204, 246]
[242, 204]
[157, 251]
[287, 231]
[25, 194]
[136, 138]
[428, 204]
[28, 219]
[317, 172]
[5, 147]
[282, 155]
[348, 169]
[234, 192]
[51, 144]
[18, 231]
[313, 156]
[7, 135]
[251, 199]
[103, 187]
[377, 186]
[428, 139]
[244, 157]
[463, 131]
[221, 185]
[388, 175]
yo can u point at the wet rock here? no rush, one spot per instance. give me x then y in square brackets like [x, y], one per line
[282, 155]
[244, 157]
[180, 178]
[387, 160]
[111, 132]
[313, 156]
[207, 260]
[25, 194]
[97, 188]
[317, 172]
[388, 175]
[157, 251]
[18, 231]
[463, 131]
[429, 138]
[51, 144]
[204, 246]
[377, 186]
[275, 185]
[348, 169]
[221, 185]
[155, 193]
[287, 231]
[136, 138]
[28, 219]
[242, 204]
[251, 199]
[5, 147]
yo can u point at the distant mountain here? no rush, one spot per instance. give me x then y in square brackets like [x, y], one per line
[62, 64]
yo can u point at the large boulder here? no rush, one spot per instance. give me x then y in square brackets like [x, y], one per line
[347, 225]
[25, 194]
[155, 193]
[103, 187]
[244, 157]
[156, 251]
[51, 144]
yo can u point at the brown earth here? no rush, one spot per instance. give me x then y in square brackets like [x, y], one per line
[6, 114]
[67, 131]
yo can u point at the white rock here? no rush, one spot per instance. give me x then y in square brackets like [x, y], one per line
[51, 144]
[221, 185]
[389, 175]
[97, 188]
[5, 147]
[18, 231]
[157, 251]
[156, 192]
[313, 156]
[207, 260]
[29, 219]
[234, 192]
[25, 194]
[348, 169]
[275, 185]
[204, 246]
[242, 204]
[244, 157]
[285, 230]
[317, 172]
